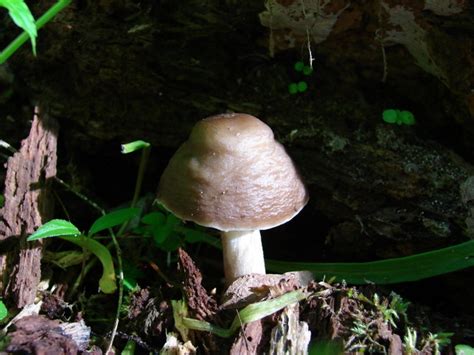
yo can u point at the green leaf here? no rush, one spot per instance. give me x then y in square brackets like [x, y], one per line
[2, 201]
[161, 233]
[462, 349]
[55, 228]
[388, 271]
[390, 116]
[107, 282]
[154, 218]
[3, 310]
[407, 118]
[250, 313]
[113, 219]
[299, 66]
[302, 86]
[21, 15]
[134, 146]
[307, 70]
[195, 236]
[293, 88]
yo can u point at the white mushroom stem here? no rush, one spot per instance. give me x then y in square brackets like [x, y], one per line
[243, 254]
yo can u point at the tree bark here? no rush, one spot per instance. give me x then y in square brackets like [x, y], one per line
[28, 204]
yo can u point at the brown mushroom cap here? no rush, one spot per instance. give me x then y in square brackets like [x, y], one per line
[231, 174]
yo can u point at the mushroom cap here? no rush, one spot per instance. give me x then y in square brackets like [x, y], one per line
[232, 175]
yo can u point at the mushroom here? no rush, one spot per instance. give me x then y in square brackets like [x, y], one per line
[232, 175]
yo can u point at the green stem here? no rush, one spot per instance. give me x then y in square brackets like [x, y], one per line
[107, 282]
[120, 295]
[140, 175]
[23, 37]
[136, 194]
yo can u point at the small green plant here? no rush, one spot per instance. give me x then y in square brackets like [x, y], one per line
[300, 86]
[398, 117]
[68, 231]
[250, 313]
[462, 349]
[21, 15]
[439, 340]
[409, 341]
[169, 232]
[3, 310]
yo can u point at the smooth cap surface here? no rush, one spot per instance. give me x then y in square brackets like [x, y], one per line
[231, 174]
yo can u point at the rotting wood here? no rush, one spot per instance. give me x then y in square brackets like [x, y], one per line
[290, 335]
[200, 304]
[249, 339]
[28, 204]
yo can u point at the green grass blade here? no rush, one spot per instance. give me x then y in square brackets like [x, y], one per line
[389, 271]
[250, 313]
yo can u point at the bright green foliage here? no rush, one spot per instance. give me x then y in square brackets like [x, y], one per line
[462, 349]
[161, 227]
[22, 38]
[398, 117]
[67, 231]
[134, 146]
[250, 313]
[21, 15]
[388, 271]
[407, 118]
[113, 219]
[169, 233]
[439, 341]
[299, 66]
[130, 275]
[302, 86]
[55, 228]
[107, 282]
[3, 310]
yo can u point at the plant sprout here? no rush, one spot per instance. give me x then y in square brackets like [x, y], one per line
[398, 117]
[69, 232]
[301, 86]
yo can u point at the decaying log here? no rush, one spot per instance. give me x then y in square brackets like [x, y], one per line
[290, 336]
[28, 204]
[249, 339]
[200, 304]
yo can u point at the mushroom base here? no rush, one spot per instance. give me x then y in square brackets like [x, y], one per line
[243, 254]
